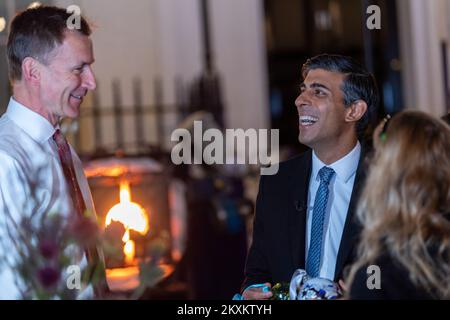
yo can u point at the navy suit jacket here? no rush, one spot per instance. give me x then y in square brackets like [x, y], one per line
[279, 229]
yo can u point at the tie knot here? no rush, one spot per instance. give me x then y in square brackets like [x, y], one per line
[57, 136]
[61, 142]
[326, 174]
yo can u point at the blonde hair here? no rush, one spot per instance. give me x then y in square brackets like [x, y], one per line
[403, 205]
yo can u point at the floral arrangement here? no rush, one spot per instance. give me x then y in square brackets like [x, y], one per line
[280, 291]
[47, 255]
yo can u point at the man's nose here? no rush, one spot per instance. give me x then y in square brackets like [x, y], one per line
[89, 79]
[302, 99]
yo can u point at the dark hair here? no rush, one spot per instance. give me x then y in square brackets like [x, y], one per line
[35, 32]
[446, 118]
[359, 84]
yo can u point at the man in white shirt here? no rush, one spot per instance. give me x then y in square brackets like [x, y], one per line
[50, 72]
[304, 213]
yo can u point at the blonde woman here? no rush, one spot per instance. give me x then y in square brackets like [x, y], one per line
[405, 210]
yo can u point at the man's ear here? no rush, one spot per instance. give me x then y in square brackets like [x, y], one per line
[356, 111]
[31, 70]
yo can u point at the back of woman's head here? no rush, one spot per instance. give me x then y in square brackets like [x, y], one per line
[412, 167]
[404, 205]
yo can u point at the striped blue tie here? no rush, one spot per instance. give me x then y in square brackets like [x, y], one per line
[320, 205]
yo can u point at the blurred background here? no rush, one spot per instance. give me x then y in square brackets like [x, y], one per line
[162, 64]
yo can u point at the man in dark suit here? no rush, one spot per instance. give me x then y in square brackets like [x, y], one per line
[304, 213]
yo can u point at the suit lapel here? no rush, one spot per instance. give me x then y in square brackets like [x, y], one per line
[351, 227]
[298, 209]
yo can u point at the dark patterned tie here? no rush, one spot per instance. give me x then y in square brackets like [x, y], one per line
[320, 205]
[65, 157]
[69, 172]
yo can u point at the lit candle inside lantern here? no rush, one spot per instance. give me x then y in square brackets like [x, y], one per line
[129, 251]
[132, 216]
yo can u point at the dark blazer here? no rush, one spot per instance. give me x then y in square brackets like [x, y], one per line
[279, 228]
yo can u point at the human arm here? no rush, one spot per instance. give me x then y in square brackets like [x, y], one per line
[13, 203]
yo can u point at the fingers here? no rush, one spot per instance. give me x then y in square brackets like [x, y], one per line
[376, 134]
[258, 292]
[342, 285]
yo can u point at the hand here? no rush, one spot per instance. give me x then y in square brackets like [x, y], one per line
[258, 292]
[377, 140]
[343, 287]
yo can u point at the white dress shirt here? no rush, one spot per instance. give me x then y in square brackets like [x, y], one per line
[341, 186]
[29, 156]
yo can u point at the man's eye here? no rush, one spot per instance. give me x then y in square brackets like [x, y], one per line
[319, 93]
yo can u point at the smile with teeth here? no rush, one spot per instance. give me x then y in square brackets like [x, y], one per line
[76, 97]
[308, 120]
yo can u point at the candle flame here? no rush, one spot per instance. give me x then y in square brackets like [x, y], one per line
[132, 216]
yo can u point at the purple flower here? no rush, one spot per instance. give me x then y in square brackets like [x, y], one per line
[48, 249]
[48, 277]
[84, 230]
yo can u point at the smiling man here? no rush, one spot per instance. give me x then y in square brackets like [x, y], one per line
[304, 214]
[40, 174]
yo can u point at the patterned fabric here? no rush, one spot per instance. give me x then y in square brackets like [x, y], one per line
[80, 206]
[320, 205]
[69, 172]
[303, 287]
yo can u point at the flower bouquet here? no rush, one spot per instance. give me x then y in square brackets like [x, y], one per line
[48, 255]
[48, 260]
[280, 291]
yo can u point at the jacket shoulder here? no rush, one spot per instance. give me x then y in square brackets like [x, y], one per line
[292, 166]
[296, 160]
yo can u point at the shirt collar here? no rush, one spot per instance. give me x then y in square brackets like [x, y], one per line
[344, 167]
[35, 125]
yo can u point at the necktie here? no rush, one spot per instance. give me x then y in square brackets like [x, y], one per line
[320, 205]
[65, 157]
